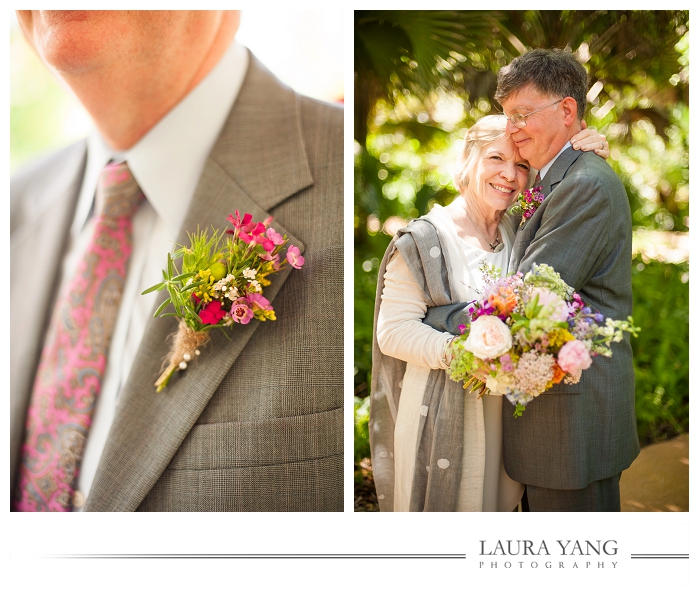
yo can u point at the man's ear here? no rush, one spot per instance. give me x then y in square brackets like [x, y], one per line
[570, 110]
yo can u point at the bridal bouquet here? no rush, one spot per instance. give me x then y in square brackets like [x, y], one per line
[219, 283]
[528, 333]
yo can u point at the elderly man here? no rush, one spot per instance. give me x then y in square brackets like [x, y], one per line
[192, 127]
[573, 442]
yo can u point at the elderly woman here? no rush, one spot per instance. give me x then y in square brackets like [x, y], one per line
[435, 446]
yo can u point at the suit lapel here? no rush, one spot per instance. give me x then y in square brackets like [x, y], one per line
[558, 170]
[37, 248]
[555, 175]
[258, 161]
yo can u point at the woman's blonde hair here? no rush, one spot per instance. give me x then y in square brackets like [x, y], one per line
[485, 131]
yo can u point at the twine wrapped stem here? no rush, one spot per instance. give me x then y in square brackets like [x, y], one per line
[185, 347]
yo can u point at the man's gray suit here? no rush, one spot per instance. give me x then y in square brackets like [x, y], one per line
[256, 423]
[573, 435]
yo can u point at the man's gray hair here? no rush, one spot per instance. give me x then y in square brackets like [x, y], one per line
[553, 72]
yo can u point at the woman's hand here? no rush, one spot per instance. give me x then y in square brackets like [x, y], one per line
[590, 140]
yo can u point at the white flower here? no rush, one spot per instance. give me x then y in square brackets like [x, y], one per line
[250, 274]
[232, 293]
[254, 285]
[499, 384]
[489, 337]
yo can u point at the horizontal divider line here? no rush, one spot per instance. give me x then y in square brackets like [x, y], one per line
[261, 556]
[660, 557]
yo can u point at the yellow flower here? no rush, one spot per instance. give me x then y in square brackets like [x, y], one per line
[558, 337]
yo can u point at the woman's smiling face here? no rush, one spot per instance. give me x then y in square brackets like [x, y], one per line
[501, 174]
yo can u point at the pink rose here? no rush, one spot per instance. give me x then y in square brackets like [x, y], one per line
[293, 256]
[574, 357]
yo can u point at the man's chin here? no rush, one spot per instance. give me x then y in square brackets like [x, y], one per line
[71, 41]
[526, 152]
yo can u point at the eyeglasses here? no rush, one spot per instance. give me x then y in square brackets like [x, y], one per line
[520, 120]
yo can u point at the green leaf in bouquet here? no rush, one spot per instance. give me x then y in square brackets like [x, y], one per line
[159, 286]
[175, 299]
[193, 285]
[192, 312]
[178, 253]
[515, 209]
[519, 322]
[532, 308]
[162, 306]
[180, 277]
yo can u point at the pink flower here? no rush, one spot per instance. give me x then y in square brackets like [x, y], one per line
[533, 372]
[293, 256]
[574, 357]
[237, 222]
[253, 234]
[241, 312]
[257, 300]
[273, 258]
[212, 313]
[275, 237]
[266, 243]
[506, 363]
[554, 307]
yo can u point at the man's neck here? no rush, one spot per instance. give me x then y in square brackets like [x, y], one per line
[544, 170]
[125, 103]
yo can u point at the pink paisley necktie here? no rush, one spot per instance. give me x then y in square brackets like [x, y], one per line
[69, 377]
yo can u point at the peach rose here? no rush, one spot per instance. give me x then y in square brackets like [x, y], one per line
[489, 338]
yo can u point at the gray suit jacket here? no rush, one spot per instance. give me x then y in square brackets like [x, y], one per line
[573, 435]
[255, 425]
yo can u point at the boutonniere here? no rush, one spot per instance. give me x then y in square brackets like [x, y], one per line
[527, 203]
[219, 284]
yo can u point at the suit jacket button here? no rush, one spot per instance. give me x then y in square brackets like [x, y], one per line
[78, 499]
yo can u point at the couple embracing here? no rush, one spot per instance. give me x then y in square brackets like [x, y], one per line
[438, 447]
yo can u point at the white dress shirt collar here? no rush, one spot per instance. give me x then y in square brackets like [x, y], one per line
[168, 161]
[545, 169]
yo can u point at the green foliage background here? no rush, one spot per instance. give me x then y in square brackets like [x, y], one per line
[423, 77]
